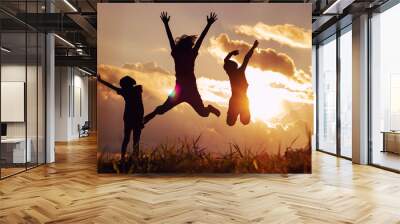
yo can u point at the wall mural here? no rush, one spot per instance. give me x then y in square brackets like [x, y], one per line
[204, 88]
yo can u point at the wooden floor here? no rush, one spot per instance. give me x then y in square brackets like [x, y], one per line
[387, 159]
[5, 172]
[70, 191]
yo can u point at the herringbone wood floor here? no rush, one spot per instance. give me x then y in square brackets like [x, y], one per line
[70, 191]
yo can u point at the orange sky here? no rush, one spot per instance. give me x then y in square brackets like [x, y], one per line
[132, 40]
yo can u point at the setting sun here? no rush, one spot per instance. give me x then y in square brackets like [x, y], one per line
[265, 101]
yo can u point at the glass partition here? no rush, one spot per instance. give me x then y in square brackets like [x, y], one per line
[22, 88]
[327, 95]
[14, 153]
[385, 89]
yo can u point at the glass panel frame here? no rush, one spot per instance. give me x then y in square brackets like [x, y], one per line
[26, 57]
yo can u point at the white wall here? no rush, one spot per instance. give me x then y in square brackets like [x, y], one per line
[80, 110]
[33, 127]
[16, 73]
[62, 80]
[10, 73]
[71, 102]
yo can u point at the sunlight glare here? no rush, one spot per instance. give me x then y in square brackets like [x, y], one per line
[265, 102]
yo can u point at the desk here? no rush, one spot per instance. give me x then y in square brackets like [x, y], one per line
[391, 141]
[15, 148]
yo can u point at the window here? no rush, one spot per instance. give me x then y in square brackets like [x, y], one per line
[327, 96]
[346, 95]
[385, 89]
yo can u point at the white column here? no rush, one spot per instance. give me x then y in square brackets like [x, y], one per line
[360, 90]
[50, 99]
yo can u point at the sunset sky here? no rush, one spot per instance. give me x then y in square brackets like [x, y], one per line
[132, 41]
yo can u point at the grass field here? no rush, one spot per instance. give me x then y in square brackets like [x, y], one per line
[187, 156]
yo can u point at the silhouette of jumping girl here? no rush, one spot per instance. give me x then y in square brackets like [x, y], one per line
[239, 102]
[184, 55]
[133, 112]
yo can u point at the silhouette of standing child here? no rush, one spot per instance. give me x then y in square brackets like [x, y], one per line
[133, 112]
[239, 102]
[184, 55]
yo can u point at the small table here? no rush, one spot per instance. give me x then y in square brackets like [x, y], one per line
[16, 147]
[391, 141]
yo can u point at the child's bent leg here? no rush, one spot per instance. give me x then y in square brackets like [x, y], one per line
[214, 110]
[198, 106]
[166, 106]
[201, 110]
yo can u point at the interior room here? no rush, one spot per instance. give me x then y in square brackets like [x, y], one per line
[22, 105]
[81, 80]
[71, 100]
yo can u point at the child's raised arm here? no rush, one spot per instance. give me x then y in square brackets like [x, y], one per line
[235, 52]
[248, 55]
[109, 85]
[210, 20]
[165, 18]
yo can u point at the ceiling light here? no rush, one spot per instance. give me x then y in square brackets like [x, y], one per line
[70, 5]
[84, 71]
[64, 40]
[5, 50]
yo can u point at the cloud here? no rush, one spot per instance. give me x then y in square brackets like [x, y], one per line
[295, 94]
[265, 59]
[149, 67]
[183, 121]
[161, 50]
[287, 34]
[155, 80]
[302, 77]
[268, 71]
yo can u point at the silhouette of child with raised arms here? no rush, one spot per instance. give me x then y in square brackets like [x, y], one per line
[133, 112]
[239, 102]
[184, 52]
